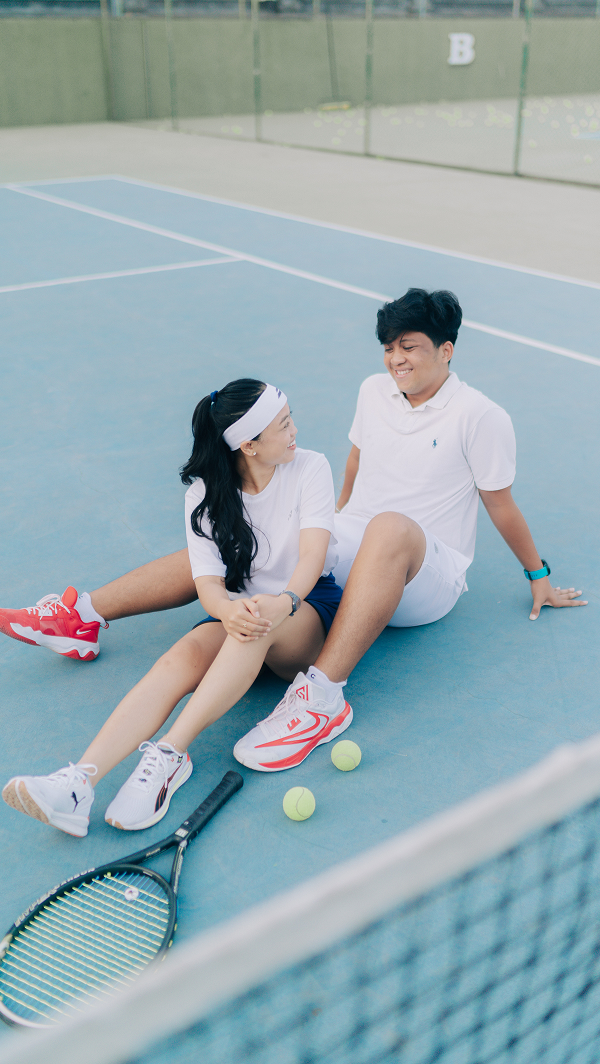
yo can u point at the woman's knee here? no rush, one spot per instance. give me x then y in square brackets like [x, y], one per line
[185, 656]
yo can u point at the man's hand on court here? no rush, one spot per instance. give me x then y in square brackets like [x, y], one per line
[545, 595]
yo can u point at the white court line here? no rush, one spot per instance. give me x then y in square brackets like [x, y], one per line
[114, 273]
[195, 242]
[63, 180]
[291, 270]
[531, 343]
[433, 248]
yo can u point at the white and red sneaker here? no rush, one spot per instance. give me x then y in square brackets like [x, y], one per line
[302, 720]
[54, 623]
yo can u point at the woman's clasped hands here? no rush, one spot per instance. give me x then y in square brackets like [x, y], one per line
[247, 619]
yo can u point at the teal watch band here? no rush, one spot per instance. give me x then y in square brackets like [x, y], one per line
[537, 574]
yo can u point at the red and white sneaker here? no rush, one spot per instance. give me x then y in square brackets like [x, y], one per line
[54, 623]
[302, 720]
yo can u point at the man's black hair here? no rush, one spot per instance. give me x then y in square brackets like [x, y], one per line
[437, 314]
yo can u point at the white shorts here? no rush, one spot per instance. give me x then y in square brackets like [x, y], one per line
[430, 595]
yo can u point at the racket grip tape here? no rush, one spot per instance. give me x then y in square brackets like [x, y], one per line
[231, 782]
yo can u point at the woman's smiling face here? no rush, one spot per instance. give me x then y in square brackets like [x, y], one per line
[277, 443]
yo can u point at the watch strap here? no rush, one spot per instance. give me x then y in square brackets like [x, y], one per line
[295, 600]
[537, 574]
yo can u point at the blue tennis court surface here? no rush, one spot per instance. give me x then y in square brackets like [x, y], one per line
[100, 377]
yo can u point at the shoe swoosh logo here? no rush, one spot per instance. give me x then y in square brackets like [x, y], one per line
[298, 756]
[321, 719]
[84, 631]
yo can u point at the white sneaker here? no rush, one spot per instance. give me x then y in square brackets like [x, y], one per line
[302, 720]
[144, 798]
[63, 799]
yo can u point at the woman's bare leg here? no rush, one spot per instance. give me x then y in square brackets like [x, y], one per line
[291, 646]
[289, 656]
[162, 584]
[149, 704]
[218, 668]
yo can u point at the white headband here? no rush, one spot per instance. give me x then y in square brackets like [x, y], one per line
[252, 423]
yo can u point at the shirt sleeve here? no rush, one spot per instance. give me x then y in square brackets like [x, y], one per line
[317, 495]
[492, 451]
[205, 559]
[355, 434]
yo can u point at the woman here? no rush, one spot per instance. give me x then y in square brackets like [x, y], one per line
[259, 518]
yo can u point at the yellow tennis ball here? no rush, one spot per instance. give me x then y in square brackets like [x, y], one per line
[346, 755]
[299, 803]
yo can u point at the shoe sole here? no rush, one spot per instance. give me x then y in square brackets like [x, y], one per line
[18, 797]
[77, 649]
[336, 730]
[154, 819]
[11, 797]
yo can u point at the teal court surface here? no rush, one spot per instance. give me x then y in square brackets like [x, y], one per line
[122, 304]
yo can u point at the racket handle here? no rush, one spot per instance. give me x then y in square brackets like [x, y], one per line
[231, 782]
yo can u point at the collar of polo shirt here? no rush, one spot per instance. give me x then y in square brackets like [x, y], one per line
[439, 400]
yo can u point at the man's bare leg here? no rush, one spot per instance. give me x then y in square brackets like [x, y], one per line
[390, 555]
[162, 584]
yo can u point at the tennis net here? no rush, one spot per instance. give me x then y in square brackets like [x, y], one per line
[473, 938]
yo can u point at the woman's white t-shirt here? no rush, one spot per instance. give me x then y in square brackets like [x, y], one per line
[300, 495]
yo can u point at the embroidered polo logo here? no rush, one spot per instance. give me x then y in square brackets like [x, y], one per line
[434, 444]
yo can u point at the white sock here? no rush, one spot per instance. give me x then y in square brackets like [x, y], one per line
[85, 609]
[330, 688]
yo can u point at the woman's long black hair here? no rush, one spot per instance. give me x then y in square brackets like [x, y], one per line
[213, 461]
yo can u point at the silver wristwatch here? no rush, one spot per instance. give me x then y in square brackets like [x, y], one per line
[295, 601]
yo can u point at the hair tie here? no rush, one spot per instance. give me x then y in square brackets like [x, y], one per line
[213, 396]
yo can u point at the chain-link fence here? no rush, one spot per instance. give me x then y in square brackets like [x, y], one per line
[504, 86]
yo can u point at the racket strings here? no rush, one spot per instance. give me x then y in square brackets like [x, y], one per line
[146, 897]
[24, 994]
[84, 945]
[97, 905]
[29, 949]
[27, 956]
[57, 928]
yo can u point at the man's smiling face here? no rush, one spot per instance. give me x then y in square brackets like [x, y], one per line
[418, 367]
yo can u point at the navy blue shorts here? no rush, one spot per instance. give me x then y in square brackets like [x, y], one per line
[324, 598]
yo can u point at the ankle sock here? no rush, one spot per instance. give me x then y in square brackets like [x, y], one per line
[329, 687]
[85, 609]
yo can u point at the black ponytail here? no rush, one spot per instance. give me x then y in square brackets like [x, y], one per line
[213, 461]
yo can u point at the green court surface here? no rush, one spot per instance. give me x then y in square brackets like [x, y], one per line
[103, 366]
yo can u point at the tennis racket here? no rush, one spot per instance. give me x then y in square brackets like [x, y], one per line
[95, 933]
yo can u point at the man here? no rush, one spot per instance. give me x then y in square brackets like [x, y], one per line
[425, 447]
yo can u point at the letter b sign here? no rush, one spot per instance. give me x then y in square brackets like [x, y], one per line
[462, 49]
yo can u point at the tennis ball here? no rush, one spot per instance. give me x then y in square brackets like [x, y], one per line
[346, 755]
[299, 803]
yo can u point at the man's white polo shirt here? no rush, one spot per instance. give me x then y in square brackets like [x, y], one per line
[428, 462]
